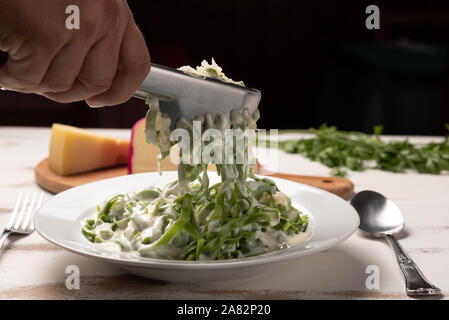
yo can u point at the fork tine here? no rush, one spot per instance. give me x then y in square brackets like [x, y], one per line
[30, 212]
[14, 212]
[39, 205]
[22, 212]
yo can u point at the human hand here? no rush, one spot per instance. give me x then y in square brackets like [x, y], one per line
[104, 62]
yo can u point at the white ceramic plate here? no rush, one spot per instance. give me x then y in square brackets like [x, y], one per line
[331, 220]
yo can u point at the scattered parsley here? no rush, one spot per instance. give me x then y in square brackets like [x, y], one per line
[359, 151]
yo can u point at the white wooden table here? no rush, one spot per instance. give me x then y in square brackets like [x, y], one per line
[32, 268]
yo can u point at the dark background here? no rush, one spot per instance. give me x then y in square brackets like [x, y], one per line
[314, 62]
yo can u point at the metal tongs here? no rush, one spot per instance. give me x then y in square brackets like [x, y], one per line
[184, 95]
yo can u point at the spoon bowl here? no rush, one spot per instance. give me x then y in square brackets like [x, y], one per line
[378, 215]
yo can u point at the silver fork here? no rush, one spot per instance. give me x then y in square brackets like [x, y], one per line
[21, 220]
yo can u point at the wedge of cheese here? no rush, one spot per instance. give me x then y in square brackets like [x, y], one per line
[74, 150]
[143, 155]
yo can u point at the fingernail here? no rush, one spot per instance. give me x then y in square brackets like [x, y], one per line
[95, 104]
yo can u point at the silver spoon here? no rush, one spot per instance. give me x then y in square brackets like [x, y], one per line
[380, 217]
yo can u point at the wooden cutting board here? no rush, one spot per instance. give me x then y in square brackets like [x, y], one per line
[55, 183]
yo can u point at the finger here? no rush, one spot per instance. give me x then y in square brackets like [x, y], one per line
[25, 69]
[64, 68]
[97, 72]
[134, 66]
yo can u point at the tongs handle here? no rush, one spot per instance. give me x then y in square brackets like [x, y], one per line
[155, 83]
